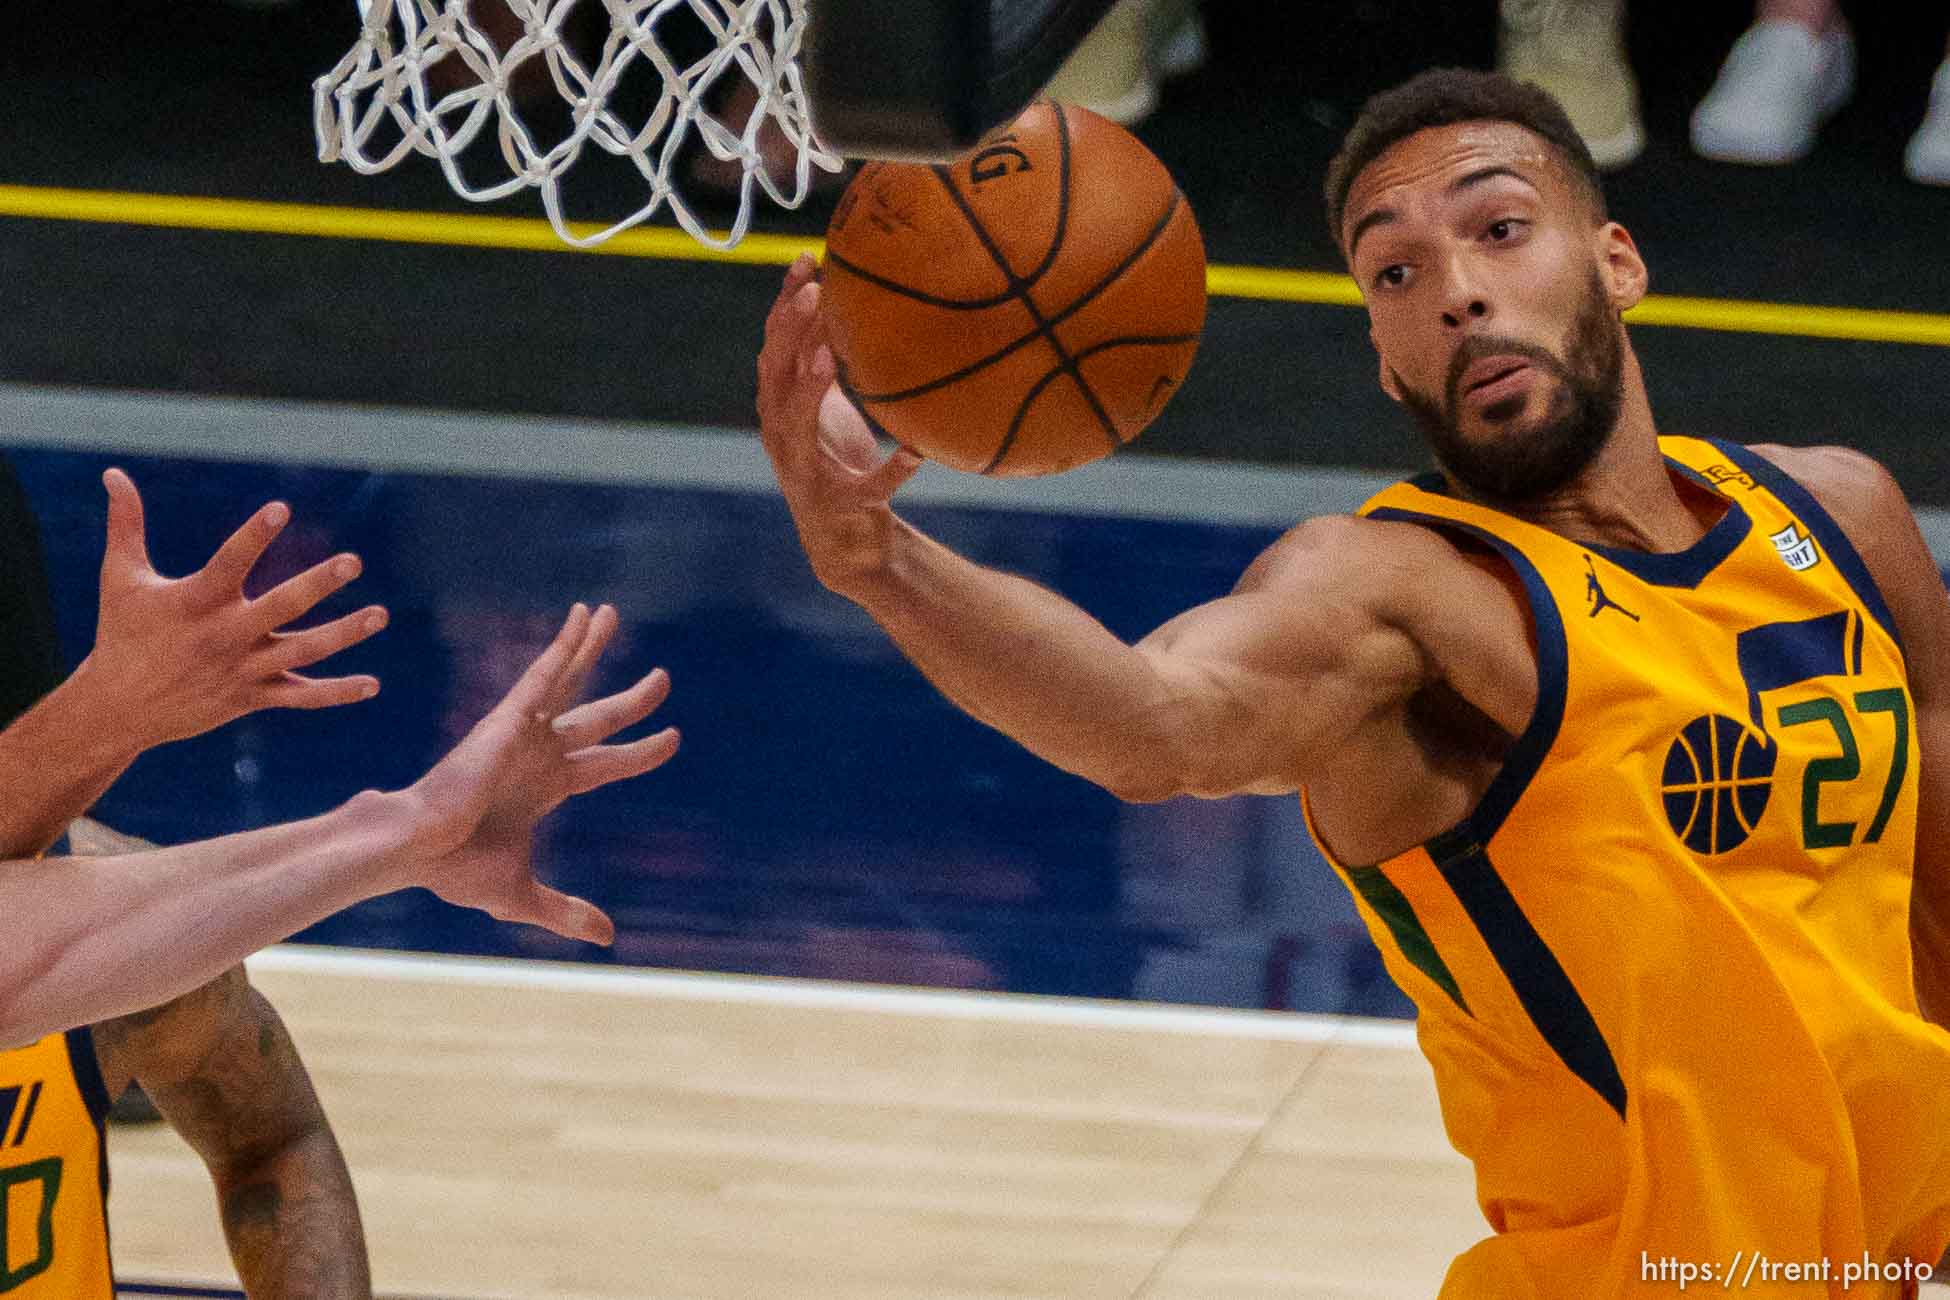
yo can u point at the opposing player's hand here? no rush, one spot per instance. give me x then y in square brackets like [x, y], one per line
[180, 656]
[476, 811]
[835, 478]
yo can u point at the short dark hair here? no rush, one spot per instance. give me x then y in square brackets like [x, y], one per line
[1444, 97]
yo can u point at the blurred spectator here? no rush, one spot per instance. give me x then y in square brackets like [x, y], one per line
[1115, 72]
[1575, 49]
[1790, 72]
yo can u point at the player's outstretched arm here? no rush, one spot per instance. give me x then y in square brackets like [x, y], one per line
[172, 658]
[219, 1064]
[1238, 695]
[82, 941]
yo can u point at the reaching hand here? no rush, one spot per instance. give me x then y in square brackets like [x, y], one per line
[185, 655]
[477, 809]
[836, 482]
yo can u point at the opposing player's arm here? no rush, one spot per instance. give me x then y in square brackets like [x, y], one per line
[222, 1070]
[83, 940]
[1870, 508]
[172, 658]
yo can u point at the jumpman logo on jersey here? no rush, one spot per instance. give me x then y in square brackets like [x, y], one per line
[1600, 602]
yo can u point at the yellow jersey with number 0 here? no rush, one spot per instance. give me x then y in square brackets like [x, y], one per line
[53, 1172]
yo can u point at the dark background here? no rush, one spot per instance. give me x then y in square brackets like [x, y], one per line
[203, 98]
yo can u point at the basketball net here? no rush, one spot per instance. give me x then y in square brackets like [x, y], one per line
[379, 103]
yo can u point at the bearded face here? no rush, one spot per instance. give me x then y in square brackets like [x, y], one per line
[1515, 433]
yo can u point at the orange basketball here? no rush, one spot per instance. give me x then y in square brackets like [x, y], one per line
[1025, 309]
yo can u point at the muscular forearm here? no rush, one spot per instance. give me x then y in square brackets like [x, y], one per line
[1026, 662]
[82, 940]
[292, 1223]
[58, 758]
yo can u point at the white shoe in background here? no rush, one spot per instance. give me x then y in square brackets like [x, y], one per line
[1927, 160]
[1575, 49]
[1779, 84]
[1110, 72]
[1116, 70]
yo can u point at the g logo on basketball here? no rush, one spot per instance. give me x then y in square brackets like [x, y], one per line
[1718, 776]
[994, 161]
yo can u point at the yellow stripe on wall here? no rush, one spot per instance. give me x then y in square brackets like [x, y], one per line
[532, 234]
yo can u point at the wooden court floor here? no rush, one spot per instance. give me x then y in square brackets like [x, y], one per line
[549, 1133]
[525, 1131]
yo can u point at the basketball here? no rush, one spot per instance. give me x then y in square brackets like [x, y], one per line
[1023, 310]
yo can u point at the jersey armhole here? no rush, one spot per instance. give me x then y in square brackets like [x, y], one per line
[1527, 753]
[87, 1068]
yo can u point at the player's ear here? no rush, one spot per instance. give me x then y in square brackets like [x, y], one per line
[1621, 267]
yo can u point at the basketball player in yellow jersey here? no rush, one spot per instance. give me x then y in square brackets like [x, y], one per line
[223, 1071]
[1633, 750]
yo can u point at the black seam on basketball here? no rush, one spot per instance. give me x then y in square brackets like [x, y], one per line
[1043, 327]
[1135, 340]
[903, 291]
[1062, 197]
[859, 403]
[1124, 340]
[1083, 300]
[1022, 413]
[1016, 284]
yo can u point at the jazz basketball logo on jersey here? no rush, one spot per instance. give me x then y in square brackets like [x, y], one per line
[1719, 771]
[1718, 776]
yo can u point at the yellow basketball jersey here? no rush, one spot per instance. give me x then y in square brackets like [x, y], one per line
[53, 1172]
[1663, 969]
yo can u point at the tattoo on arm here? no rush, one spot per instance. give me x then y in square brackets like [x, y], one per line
[222, 1069]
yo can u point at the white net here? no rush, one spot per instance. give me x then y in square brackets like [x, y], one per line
[509, 94]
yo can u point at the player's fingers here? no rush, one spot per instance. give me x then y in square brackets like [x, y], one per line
[883, 482]
[529, 693]
[565, 914]
[598, 720]
[785, 329]
[796, 276]
[223, 577]
[126, 546]
[602, 765]
[290, 691]
[291, 650]
[293, 597]
[800, 409]
[602, 626]
[789, 414]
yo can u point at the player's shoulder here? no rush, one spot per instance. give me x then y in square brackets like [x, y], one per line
[1854, 487]
[1868, 505]
[1376, 554]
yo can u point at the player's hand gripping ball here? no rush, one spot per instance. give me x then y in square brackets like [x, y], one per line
[1023, 310]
